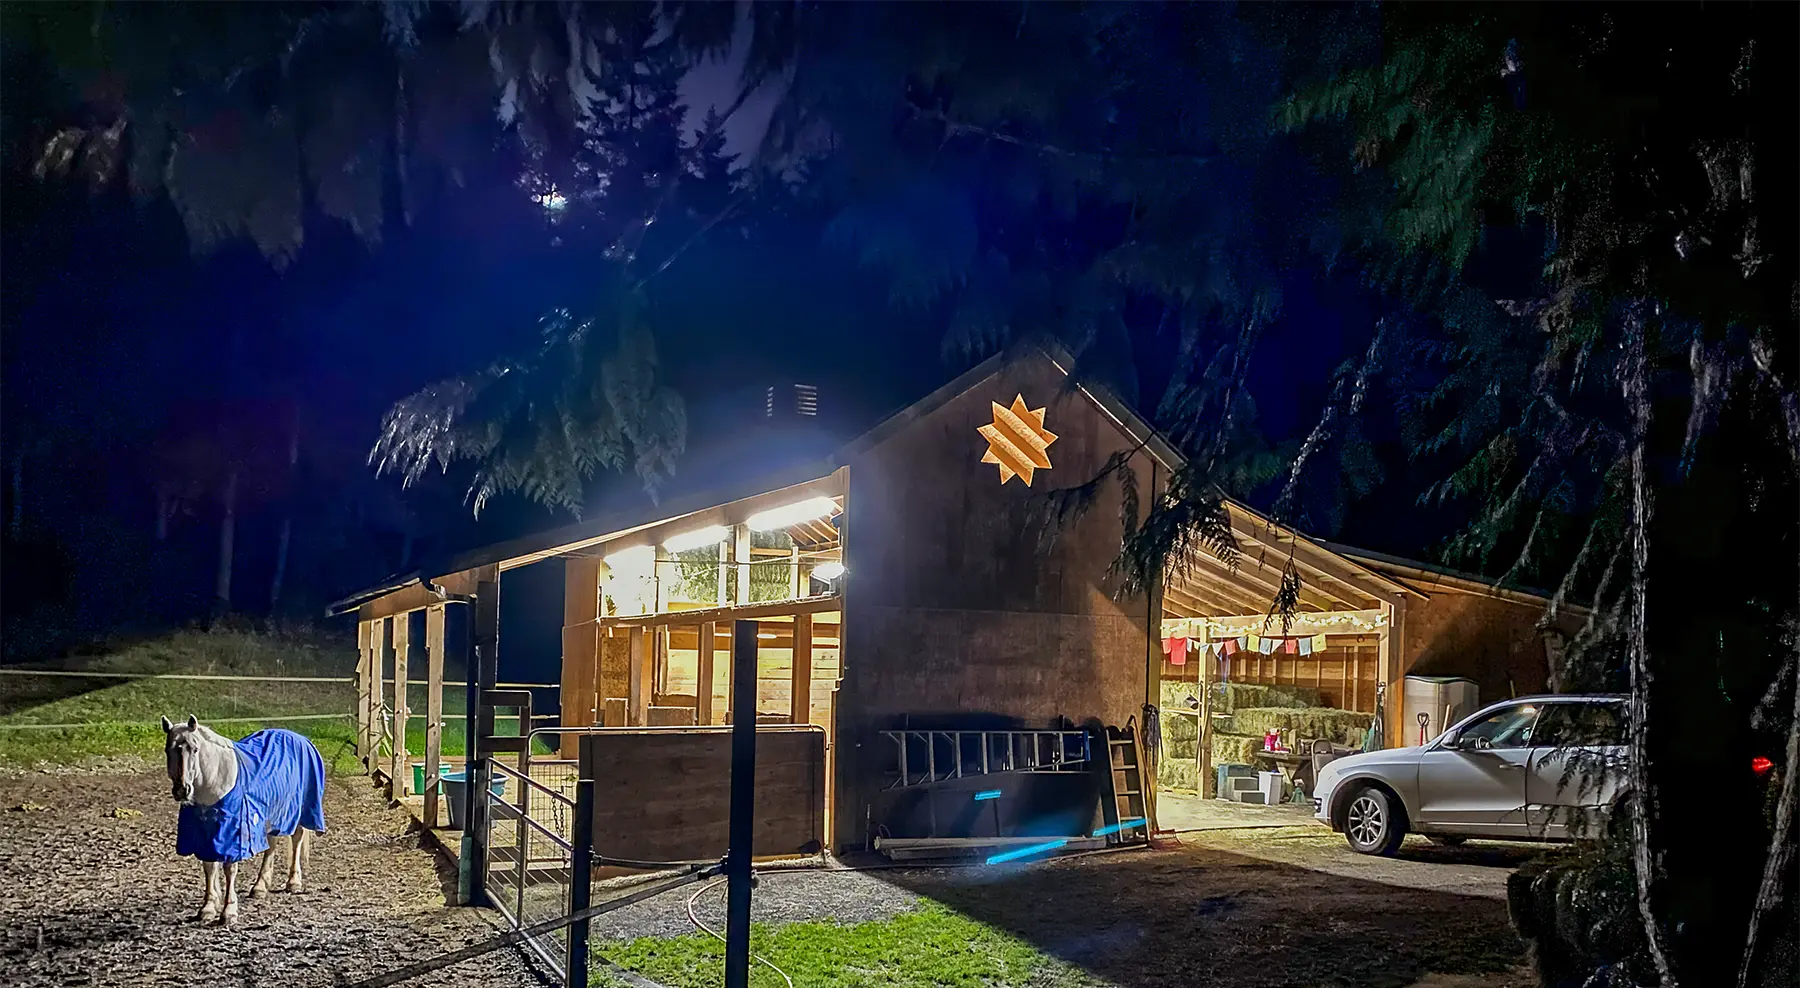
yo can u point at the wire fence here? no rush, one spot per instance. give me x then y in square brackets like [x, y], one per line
[530, 856]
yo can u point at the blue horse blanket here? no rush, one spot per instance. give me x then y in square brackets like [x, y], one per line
[280, 786]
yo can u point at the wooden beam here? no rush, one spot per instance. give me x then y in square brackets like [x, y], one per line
[1226, 597]
[378, 666]
[434, 710]
[800, 701]
[580, 647]
[400, 772]
[703, 680]
[724, 570]
[1392, 673]
[735, 612]
[1265, 578]
[364, 631]
[637, 700]
[1323, 563]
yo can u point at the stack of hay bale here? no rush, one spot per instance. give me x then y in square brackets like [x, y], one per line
[1242, 714]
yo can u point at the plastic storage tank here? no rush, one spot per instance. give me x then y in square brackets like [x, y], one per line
[1442, 700]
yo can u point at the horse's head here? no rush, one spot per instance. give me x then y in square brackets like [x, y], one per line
[181, 751]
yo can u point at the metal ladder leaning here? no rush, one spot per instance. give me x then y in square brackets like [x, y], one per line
[1127, 818]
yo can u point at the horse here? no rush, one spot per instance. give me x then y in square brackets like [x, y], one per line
[233, 796]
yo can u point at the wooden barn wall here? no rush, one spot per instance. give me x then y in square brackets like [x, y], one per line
[664, 795]
[955, 612]
[1491, 640]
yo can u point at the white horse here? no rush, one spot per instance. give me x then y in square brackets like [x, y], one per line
[233, 796]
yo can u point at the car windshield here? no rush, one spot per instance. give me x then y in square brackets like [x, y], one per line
[1507, 728]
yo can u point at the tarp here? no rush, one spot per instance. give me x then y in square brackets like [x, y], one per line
[280, 786]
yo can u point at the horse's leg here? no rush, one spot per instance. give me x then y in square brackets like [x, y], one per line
[265, 865]
[231, 893]
[209, 909]
[297, 846]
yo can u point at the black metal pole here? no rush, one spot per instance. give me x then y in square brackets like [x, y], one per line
[486, 633]
[743, 797]
[581, 869]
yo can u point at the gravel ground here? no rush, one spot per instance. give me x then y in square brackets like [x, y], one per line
[782, 896]
[91, 893]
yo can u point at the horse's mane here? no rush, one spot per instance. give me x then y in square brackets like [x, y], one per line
[211, 735]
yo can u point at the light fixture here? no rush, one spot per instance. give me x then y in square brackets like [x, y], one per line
[811, 509]
[710, 535]
[828, 571]
[765, 634]
[637, 557]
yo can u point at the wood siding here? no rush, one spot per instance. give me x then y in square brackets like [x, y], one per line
[960, 607]
[664, 795]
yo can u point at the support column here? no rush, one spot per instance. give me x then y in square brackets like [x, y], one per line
[800, 700]
[1390, 673]
[434, 710]
[362, 692]
[1207, 784]
[377, 680]
[580, 647]
[637, 697]
[703, 693]
[399, 770]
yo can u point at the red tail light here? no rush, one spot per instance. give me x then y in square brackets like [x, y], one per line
[1761, 765]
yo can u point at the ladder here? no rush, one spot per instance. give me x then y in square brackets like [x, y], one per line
[927, 758]
[1127, 818]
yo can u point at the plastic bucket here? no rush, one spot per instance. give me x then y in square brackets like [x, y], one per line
[455, 785]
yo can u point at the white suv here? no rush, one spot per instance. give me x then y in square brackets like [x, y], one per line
[1535, 768]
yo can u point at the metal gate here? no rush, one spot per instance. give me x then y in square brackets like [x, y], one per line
[530, 823]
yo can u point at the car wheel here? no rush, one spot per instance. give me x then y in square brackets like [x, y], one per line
[1372, 823]
[1445, 840]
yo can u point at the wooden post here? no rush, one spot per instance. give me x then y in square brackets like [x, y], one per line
[434, 710]
[637, 699]
[362, 691]
[580, 647]
[800, 701]
[1393, 673]
[378, 668]
[740, 539]
[794, 571]
[724, 568]
[400, 769]
[703, 678]
[1206, 784]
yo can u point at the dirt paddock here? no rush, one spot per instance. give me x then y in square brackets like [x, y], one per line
[91, 893]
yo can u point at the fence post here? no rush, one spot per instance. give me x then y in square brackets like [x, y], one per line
[581, 866]
[743, 804]
[485, 632]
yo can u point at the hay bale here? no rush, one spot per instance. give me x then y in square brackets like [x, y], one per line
[1175, 773]
[1235, 696]
[1180, 727]
[1176, 693]
[1306, 723]
[1237, 749]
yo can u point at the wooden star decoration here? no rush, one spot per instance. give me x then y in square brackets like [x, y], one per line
[1017, 440]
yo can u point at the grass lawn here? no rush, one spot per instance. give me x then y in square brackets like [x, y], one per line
[931, 946]
[120, 717]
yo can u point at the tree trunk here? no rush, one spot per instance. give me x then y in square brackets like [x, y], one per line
[287, 518]
[227, 538]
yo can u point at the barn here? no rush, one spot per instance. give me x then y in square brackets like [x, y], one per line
[944, 658]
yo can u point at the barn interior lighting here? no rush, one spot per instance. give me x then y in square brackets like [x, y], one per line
[710, 535]
[828, 571]
[638, 558]
[765, 635]
[811, 509]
